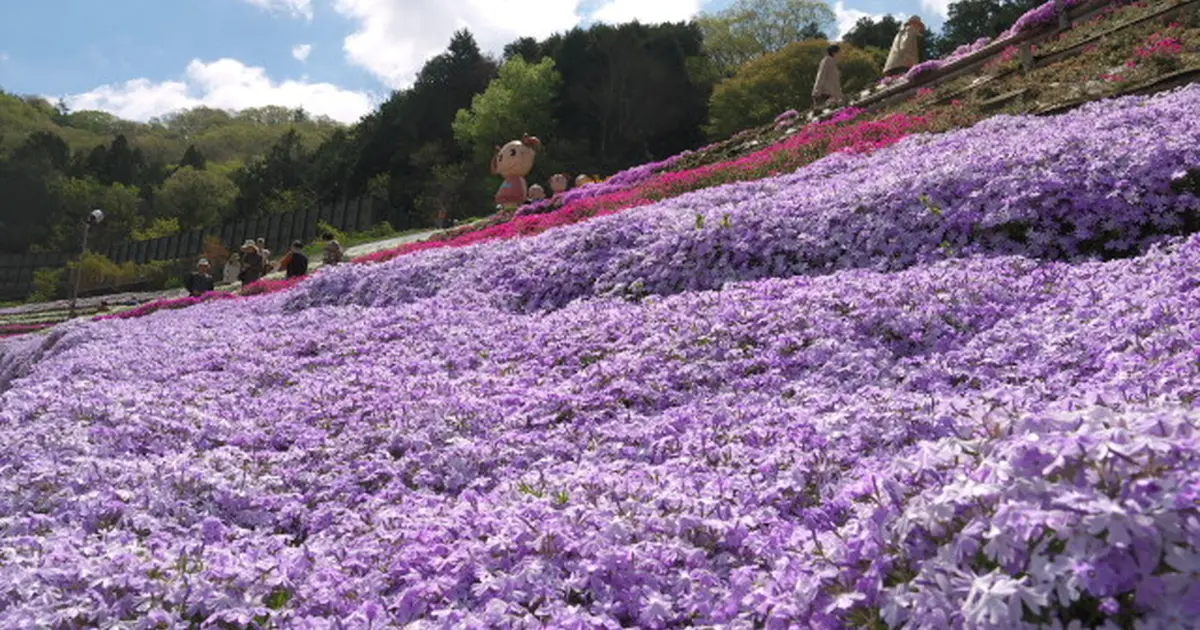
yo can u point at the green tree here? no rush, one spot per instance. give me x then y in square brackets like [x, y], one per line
[44, 150]
[631, 94]
[195, 198]
[779, 81]
[76, 197]
[193, 158]
[158, 228]
[871, 33]
[748, 29]
[28, 211]
[970, 20]
[520, 100]
[526, 48]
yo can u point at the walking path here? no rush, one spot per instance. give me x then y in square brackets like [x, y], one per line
[90, 304]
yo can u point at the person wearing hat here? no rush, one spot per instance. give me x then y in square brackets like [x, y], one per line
[252, 263]
[906, 48]
[333, 252]
[200, 281]
[295, 263]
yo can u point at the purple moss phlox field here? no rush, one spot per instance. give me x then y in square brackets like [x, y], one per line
[623, 180]
[1095, 181]
[454, 440]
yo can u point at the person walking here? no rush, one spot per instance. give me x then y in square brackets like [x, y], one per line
[295, 263]
[199, 281]
[906, 48]
[333, 250]
[252, 263]
[828, 86]
[233, 267]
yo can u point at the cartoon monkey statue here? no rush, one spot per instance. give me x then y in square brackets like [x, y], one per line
[513, 162]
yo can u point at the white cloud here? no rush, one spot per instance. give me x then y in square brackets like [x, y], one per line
[302, 51]
[297, 8]
[646, 11]
[394, 38]
[846, 18]
[941, 7]
[223, 84]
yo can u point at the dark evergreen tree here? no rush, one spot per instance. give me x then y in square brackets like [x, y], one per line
[871, 33]
[970, 20]
[194, 158]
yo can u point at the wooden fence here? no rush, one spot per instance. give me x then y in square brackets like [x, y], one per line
[16, 270]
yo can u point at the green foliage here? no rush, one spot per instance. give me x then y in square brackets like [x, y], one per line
[48, 284]
[520, 100]
[448, 195]
[76, 197]
[748, 29]
[289, 200]
[326, 228]
[631, 94]
[380, 186]
[195, 198]
[217, 134]
[193, 158]
[602, 98]
[158, 228]
[98, 271]
[779, 81]
[870, 33]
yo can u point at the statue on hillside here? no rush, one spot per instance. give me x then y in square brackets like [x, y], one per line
[536, 193]
[513, 162]
[906, 48]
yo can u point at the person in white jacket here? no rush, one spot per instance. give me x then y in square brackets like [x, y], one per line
[906, 48]
[233, 267]
[828, 86]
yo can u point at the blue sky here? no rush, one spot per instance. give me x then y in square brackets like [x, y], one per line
[143, 58]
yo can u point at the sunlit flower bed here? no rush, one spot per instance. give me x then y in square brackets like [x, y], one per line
[166, 304]
[644, 185]
[979, 443]
[457, 440]
[1101, 181]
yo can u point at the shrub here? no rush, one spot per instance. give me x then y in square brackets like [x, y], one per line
[215, 251]
[48, 284]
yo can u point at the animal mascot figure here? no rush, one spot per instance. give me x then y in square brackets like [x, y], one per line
[513, 162]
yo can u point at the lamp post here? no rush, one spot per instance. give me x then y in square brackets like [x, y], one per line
[93, 218]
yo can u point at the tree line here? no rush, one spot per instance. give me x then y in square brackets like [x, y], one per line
[601, 99]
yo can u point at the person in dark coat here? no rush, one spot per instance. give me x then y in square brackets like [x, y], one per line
[253, 263]
[200, 281]
[295, 263]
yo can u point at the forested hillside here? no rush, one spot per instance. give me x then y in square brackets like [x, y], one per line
[601, 99]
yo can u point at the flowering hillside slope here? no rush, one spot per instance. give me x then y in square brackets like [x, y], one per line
[918, 399]
[1096, 182]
